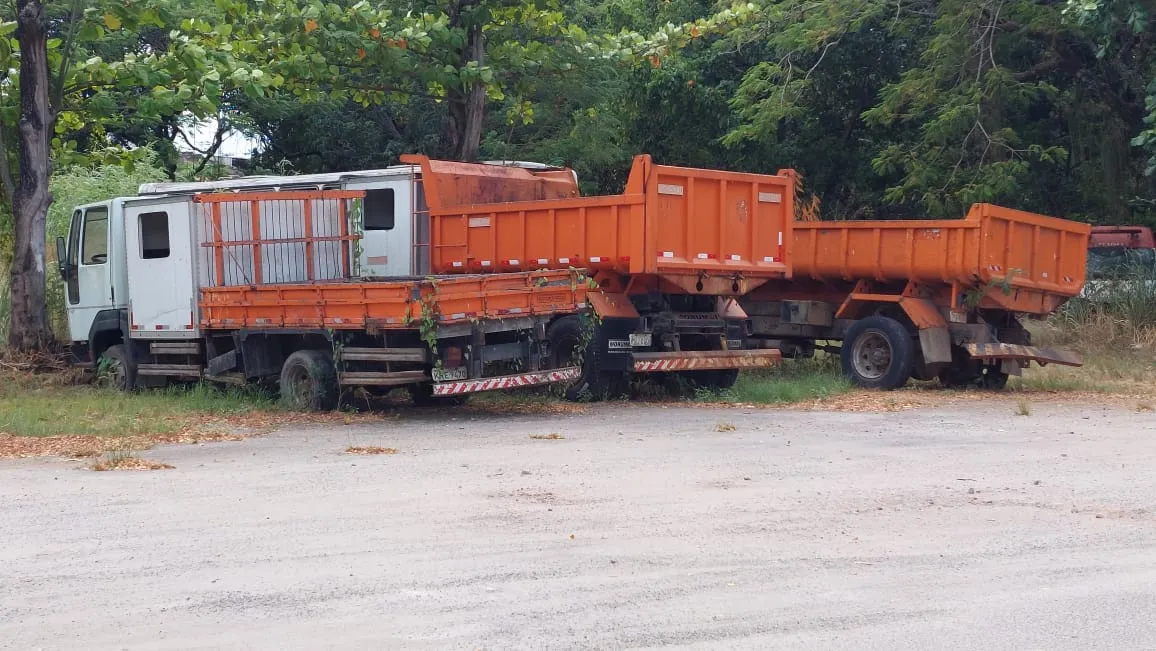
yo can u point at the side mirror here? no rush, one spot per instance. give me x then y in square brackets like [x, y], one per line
[62, 257]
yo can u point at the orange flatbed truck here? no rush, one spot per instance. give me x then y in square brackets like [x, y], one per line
[444, 278]
[925, 299]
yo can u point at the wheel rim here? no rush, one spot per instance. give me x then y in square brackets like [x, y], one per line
[871, 355]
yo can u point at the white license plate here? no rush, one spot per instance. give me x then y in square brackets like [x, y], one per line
[640, 340]
[448, 374]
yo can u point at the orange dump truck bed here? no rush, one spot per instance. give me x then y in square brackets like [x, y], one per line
[670, 221]
[1034, 255]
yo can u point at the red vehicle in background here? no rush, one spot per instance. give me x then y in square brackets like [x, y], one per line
[1118, 256]
[1126, 237]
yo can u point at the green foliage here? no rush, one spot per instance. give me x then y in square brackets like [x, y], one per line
[30, 410]
[960, 101]
[793, 381]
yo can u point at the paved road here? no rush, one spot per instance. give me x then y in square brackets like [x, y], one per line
[643, 528]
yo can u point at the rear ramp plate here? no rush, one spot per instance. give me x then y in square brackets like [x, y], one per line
[1041, 355]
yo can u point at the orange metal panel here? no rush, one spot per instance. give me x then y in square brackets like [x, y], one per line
[1041, 259]
[670, 221]
[610, 305]
[450, 184]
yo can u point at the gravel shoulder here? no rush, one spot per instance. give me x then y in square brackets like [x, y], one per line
[958, 527]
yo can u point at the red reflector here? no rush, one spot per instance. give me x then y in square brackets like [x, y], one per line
[160, 327]
[625, 258]
[135, 327]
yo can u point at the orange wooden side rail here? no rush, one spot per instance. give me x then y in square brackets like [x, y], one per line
[396, 305]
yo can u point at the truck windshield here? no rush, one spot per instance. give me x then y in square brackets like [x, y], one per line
[1114, 262]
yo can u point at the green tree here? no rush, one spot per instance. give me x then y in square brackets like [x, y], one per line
[974, 100]
[62, 98]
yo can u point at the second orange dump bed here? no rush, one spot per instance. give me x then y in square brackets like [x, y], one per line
[670, 221]
[992, 245]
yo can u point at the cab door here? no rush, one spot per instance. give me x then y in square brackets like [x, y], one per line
[386, 247]
[89, 285]
[159, 251]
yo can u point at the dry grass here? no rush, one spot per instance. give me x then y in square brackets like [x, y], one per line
[47, 411]
[534, 401]
[724, 427]
[1023, 408]
[1144, 406]
[121, 460]
[553, 436]
[369, 449]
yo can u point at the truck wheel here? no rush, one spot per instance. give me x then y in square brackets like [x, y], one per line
[993, 378]
[878, 353]
[114, 369]
[309, 381]
[422, 396]
[566, 338]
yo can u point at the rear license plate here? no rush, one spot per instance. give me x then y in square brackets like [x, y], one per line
[448, 374]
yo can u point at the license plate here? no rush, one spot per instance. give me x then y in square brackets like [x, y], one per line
[640, 340]
[448, 374]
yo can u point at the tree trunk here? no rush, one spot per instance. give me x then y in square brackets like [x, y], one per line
[30, 197]
[467, 105]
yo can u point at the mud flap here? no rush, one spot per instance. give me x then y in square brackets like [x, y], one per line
[936, 345]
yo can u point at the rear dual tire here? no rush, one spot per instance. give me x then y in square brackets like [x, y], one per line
[569, 344]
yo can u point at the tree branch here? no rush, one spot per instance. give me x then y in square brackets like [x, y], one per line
[6, 170]
[218, 140]
[66, 54]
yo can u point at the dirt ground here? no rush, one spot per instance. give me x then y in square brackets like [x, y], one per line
[957, 527]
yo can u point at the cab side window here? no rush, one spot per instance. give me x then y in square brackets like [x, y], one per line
[95, 250]
[72, 280]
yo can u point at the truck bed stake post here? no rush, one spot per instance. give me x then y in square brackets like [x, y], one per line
[477, 342]
[255, 220]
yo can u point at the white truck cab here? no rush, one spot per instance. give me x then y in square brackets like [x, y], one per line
[132, 266]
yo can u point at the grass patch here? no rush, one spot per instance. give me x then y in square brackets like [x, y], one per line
[1023, 408]
[40, 405]
[121, 460]
[793, 381]
[369, 449]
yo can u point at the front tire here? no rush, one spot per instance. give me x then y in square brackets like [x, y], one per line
[309, 381]
[878, 353]
[115, 370]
